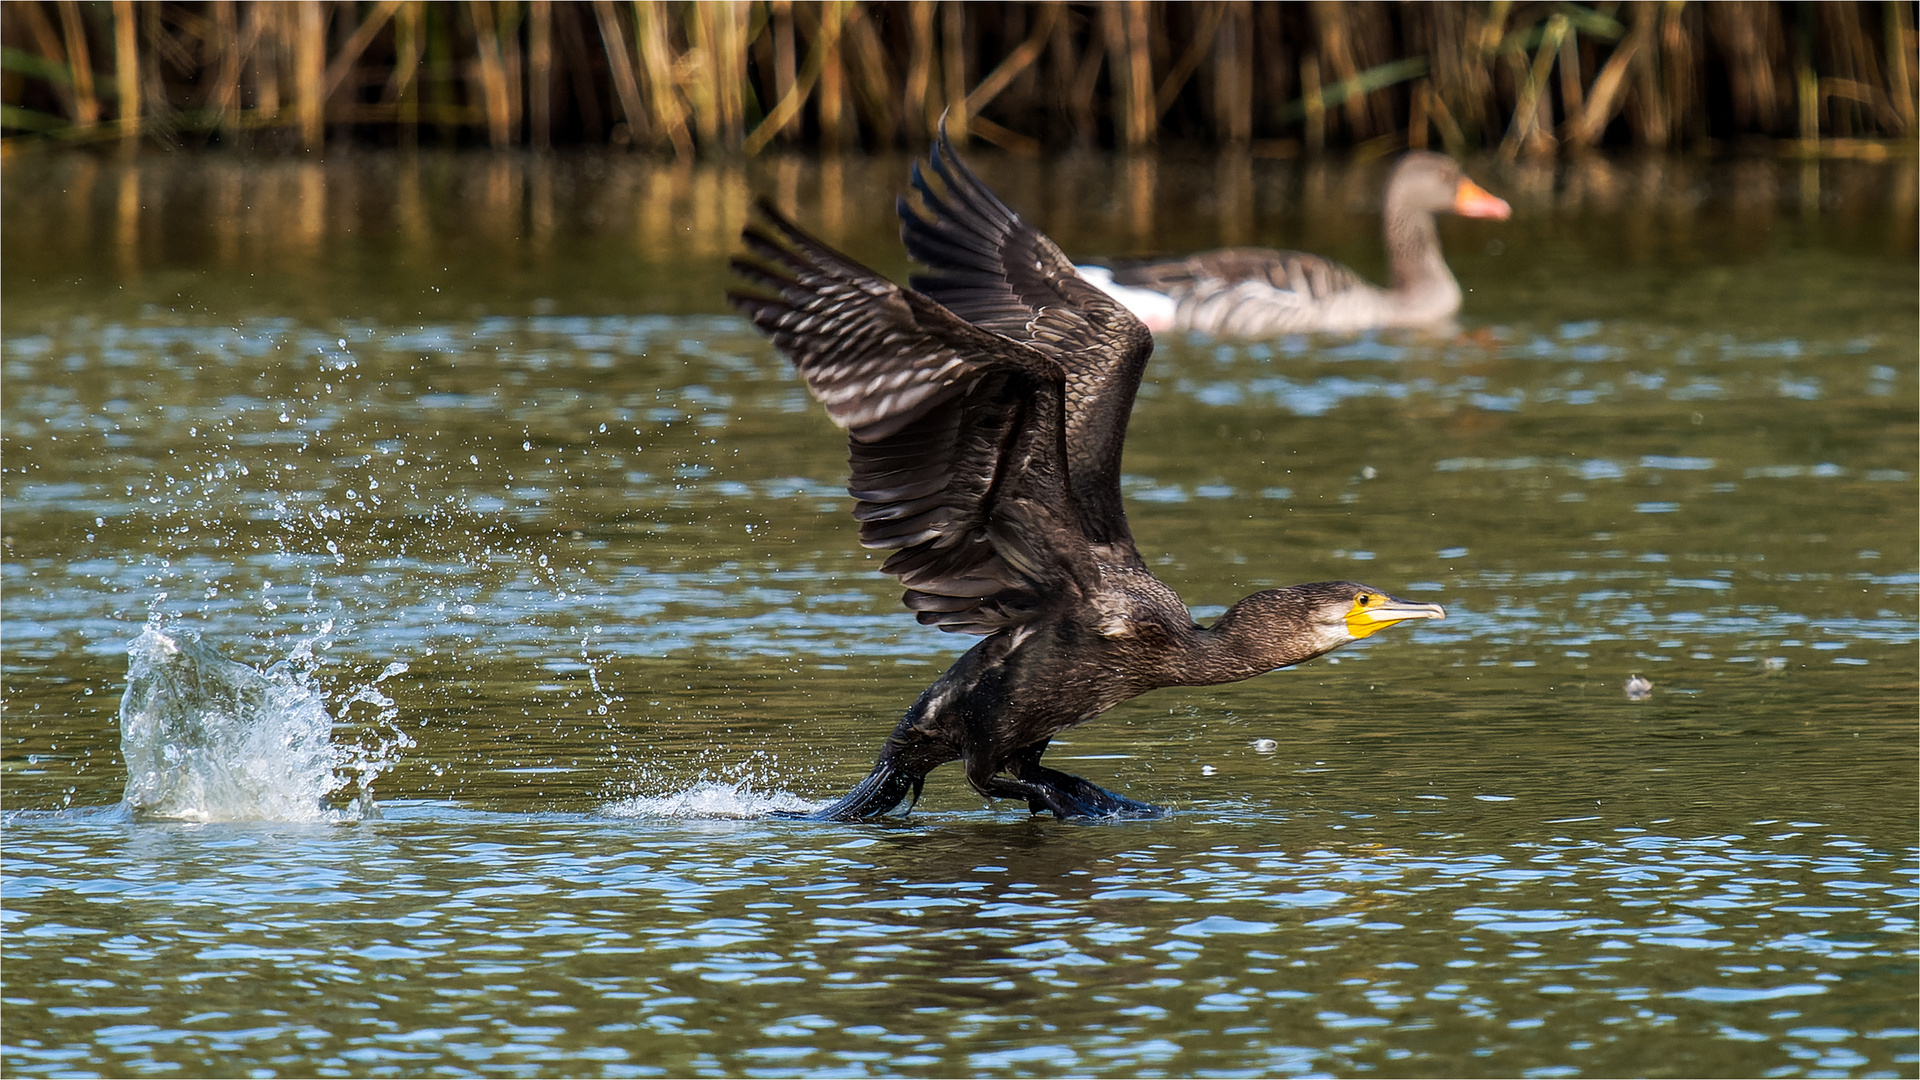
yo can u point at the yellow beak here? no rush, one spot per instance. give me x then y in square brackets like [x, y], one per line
[1373, 612]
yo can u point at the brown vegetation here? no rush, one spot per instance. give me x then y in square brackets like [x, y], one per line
[727, 76]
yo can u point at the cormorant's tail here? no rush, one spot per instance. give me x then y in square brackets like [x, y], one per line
[905, 760]
[882, 789]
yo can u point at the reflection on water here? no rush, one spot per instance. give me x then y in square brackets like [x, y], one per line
[1355, 943]
[363, 234]
[486, 418]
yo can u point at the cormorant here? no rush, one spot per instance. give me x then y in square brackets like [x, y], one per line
[986, 407]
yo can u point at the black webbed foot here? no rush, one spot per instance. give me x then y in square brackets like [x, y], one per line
[1072, 798]
[1090, 801]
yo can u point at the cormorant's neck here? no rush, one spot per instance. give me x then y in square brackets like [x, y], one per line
[1267, 630]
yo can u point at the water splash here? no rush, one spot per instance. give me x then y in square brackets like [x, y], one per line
[710, 799]
[208, 739]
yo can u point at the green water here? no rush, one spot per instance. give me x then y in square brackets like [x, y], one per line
[488, 418]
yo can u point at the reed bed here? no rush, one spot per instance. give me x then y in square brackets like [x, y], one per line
[724, 77]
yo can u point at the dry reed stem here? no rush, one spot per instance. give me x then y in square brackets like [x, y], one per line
[953, 68]
[225, 98]
[540, 73]
[126, 68]
[86, 107]
[1017, 61]
[309, 67]
[264, 32]
[696, 75]
[1807, 85]
[513, 60]
[1417, 115]
[624, 80]
[1570, 86]
[1451, 136]
[1528, 128]
[493, 75]
[51, 50]
[409, 49]
[789, 107]
[783, 55]
[914, 94]
[1605, 97]
[357, 44]
[1080, 91]
[873, 76]
[659, 80]
[1189, 62]
[830, 109]
[1233, 73]
[1335, 50]
[698, 72]
[1897, 34]
[1138, 96]
[1316, 106]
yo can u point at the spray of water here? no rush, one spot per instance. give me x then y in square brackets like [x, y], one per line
[209, 739]
[710, 799]
[752, 787]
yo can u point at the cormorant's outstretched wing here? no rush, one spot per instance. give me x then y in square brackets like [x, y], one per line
[1001, 274]
[955, 433]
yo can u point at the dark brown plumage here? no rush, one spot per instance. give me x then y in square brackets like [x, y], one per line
[986, 408]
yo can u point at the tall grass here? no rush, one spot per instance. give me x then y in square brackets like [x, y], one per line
[1528, 80]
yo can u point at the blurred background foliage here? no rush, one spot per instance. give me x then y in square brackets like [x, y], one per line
[1527, 80]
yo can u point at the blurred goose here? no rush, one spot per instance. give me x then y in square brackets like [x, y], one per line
[1260, 292]
[986, 407]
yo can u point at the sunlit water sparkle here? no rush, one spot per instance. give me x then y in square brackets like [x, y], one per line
[594, 565]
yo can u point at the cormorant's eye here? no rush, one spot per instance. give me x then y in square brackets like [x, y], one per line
[1363, 599]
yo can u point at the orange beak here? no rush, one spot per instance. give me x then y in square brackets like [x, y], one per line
[1472, 200]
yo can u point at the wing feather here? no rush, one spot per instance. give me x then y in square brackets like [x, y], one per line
[955, 434]
[999, 273]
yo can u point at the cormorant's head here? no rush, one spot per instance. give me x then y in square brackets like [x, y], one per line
[1368, 610]
[1338, 612]
[1278, 628]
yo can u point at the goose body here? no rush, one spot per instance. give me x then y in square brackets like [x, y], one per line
[986, 407]
[1250, 293]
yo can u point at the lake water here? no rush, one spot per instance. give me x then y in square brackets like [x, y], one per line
[470, 451]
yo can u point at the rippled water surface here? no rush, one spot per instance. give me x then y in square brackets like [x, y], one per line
[471, 448]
